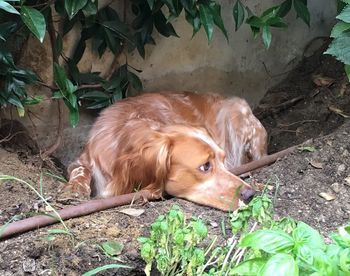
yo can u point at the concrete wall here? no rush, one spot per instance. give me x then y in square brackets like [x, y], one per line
[241, 67]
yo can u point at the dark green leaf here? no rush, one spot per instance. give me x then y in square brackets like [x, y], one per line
[94, 95]
[276, 22]
[249, 267]
[35, 21]
[266, 36]
[73, 6]
[302, 11]
[59, 45]
[98, 104]
[162, 26]
[270, 241]
[216, 12]
[284, 8]
[340, 49]
[280, 264]
[150, 3]
[238, 14]
[90, 8]
[6, 29]
[135, 81]
[206, 20]
[13, 99]
[7, 7]
[195, 22]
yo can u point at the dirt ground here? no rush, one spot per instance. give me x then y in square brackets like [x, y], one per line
[294, 111]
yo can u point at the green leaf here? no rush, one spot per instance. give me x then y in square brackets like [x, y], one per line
[57, 231]
[266, 36]
[135, 81]
[112, 248]
[270, 241]
[59, 45]
[98, 104]
[347, 70]
[280, 264]
[302, 11]
[307, 149]
[73, 117]
[304, 234]
[7, 7]
[35, 21]
[249, 267]
[284, 8]
[105, 267]
[216, 12]
[344, 260]
[206, 20]
[345, 14]
[340, 49]
[238, 14]
[33, 100]
[73, 6]
[339, 29]
[255, 21]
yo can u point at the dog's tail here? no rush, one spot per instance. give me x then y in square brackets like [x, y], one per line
[80, 175]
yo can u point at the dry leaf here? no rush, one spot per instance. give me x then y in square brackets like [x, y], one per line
[320, 80]
[338, 111]
[327, 196]
[317, 165]
[132, 212]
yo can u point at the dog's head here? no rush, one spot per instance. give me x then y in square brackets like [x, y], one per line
[186, 162]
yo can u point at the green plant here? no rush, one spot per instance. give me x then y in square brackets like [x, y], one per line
[173, 244]
[278, 247]
[105, 267]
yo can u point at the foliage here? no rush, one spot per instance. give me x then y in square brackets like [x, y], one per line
[107, 29]
[278, 247]
[340, 46]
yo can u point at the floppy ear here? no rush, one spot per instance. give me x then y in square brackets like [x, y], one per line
[144, 164]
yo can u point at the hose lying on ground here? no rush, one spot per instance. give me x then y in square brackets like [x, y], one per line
[92, 206]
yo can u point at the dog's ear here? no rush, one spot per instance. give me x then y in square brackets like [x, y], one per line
[144, 164]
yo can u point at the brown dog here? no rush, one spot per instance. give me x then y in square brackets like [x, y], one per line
[184, 144]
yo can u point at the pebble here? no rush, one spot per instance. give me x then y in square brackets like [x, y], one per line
[29, 265]
[345, 153]
[336, 187]
[341, 168]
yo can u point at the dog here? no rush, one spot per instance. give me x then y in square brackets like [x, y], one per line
[179, 143]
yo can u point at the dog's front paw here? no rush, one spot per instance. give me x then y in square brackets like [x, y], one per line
[76, 190]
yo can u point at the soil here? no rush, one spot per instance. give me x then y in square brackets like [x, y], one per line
[296, 182]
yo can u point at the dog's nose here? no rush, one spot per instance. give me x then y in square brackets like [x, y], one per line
[247, 194]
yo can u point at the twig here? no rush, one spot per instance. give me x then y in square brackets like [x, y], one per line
[298, 122]
[278, 108]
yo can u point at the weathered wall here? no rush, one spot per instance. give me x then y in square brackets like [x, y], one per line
[241, 67]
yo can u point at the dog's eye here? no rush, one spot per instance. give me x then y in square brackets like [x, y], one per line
[205, 167]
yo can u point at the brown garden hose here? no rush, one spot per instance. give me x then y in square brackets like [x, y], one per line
[92, 206]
